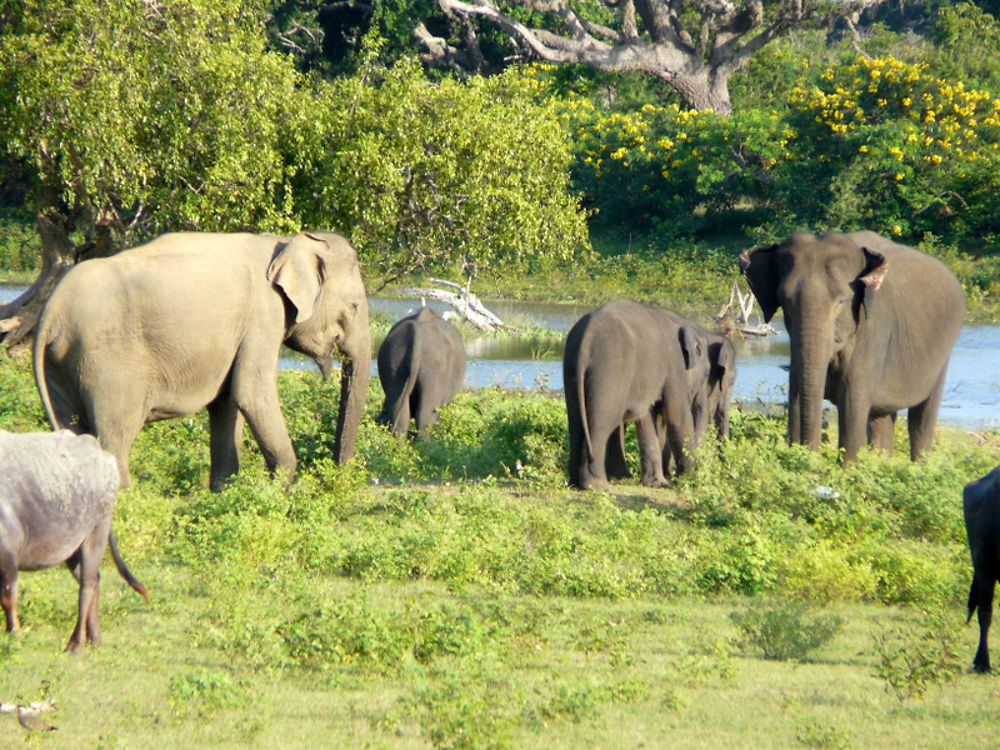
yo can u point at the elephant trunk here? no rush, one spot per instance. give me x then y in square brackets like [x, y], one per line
[355, 373]
[806, 386]
[721, 419]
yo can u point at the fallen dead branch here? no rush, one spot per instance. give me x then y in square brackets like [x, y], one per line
[464, 302]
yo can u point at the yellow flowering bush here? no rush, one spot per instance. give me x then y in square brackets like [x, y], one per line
[873, 143]
[658, 166]
[885, 145]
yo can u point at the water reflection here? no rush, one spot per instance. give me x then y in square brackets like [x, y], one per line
[971, 397]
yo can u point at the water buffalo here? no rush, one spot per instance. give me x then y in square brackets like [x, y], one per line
[57, 495]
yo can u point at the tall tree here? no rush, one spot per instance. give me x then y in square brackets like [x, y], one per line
[136, 116]
[693, 45]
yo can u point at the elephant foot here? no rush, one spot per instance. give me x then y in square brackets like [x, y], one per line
[626, 474]
[593, 483]
[656, 482]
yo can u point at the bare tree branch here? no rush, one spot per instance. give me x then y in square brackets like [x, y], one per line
[651, 37]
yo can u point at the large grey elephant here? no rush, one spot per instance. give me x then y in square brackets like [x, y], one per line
[981, 507]
[625, 362]
[871, 325]
[421, 365]
[57, 496]
[197, 319]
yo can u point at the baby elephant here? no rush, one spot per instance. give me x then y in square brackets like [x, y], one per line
[981, 504]
[57, 494]
[421, 365]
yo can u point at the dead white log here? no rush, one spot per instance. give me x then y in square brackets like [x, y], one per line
[464, 302]
[736, 313]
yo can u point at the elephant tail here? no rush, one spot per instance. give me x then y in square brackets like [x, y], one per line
[123, 568]
[401, 406]
[42, 340]
[581, 399]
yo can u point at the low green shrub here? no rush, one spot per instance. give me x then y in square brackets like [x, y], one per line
[204, 691]
[784, 631]
[915, 655]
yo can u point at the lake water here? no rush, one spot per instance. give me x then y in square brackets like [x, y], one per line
[971, 397]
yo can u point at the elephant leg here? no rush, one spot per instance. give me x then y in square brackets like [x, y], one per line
[257, 400]
[574, 431]
[982, 591]
[881, 432]
[650, 452]
[400, 413]
[679, 426]
[922, 418]
[592, 472]
[422, 408]
[117, 430]
[614, 463]
[8, 591]
[853, 416]
[226, 439]
[586, 460]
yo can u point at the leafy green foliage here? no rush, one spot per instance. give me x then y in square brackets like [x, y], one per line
[914, 656]
[205, 691]
[423, 179]
[495, 605]
[18, 250]
[142, 118]
[183, 119]
[785, 631]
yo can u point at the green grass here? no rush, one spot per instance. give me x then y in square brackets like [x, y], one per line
[553, 672]
[454, 593]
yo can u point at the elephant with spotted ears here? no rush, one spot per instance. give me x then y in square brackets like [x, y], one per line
[625, 362]
[871, 324]
[194, 320]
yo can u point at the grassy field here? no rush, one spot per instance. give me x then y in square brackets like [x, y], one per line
[453, 593]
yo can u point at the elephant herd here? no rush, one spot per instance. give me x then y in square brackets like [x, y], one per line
[193, 320]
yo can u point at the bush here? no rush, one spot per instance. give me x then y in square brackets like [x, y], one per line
[784, 631]
[18, 243]
[914, 656]
[422, 178]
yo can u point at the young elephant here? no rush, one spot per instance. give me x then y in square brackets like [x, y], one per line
[709, 395]
[628, 363]
[57, 494]
[421, 365]
[981, 505]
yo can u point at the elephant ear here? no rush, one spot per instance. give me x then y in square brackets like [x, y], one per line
[875, 268]
[760, 268]
[721, 357]
[299, 271]
[873, 275]
[691, 346]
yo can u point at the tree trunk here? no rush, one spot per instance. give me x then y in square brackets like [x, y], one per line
[705, 90]
[59, 253]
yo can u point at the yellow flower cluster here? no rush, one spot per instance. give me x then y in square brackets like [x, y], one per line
[667, 138]
[932, 119]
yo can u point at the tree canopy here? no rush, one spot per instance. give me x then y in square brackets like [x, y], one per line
[133, 118]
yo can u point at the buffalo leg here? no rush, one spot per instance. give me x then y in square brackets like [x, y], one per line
[982, 594]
